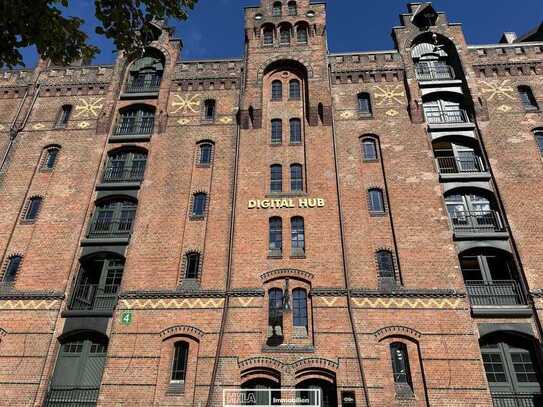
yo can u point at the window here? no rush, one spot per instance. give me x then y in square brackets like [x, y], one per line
[125, 166]
[294, 92]
[301, 34]
[206, 151]
[136, 120]
[292, 8]
[444, 111]
[527, 98]
[277, 9]
[50, 158]
[33, 208]
[296, 178]
[64, 115]
[192, 265]
[113, 218]
[146, 73]
[285, 35]
[276, 131]
[13, 264]
[268, 35]
[199, 204]
[276, 178]
[400, 363]
[364, 104]
[277, 90]
[376, 203]
[275, 317]
[472, 211]
[297, 235]
[369, 149]
[295, 131]
[539, 139]
[179, 365]
[385, 264]
[209, 109]
[276, 236]
[299, 308]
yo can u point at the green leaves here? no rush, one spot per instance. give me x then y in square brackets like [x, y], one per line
[57, 37]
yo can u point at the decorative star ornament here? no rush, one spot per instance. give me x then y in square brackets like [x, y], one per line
[186, 104]
[88, 108]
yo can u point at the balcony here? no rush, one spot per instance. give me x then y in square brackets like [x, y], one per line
[143, 84]
[133, 127]
[92, 297]
[496, 292]
[68, 397]
[110, 229]
[517, 400]
[468, 164]
[434, 73]
[451, 116]
[123, 174]
[478, 222]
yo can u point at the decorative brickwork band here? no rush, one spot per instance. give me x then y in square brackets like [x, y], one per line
[182, 330]
[396, 331]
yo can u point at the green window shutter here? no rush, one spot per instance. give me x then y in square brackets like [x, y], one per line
[67, 366]
[92, 369]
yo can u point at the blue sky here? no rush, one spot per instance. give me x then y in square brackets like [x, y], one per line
[215, 27]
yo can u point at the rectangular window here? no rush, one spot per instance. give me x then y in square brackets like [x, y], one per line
[376, 202]
[364, 104]
[524, 367]
[276, 178]
[276, 235]
[179, 367]
[64, 115]
[297, 236]
[494, 367]
[295, 131]
[11, 269]
[193, 262]
[33, 208]
[276, 131]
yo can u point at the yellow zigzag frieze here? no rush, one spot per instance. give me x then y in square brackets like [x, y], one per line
[172, 303]
[407, 302]
[29, 304]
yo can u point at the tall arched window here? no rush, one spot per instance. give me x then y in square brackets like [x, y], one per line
[275, 313]
[50, 158]
[295, 131]
[472, 211]
[276, 178]
[113, 218]
[527, 98]
[136, 120]
[400, 364]
[296, 178]
[146, 73]
[277, 90]
[299, 311]
[284, 34]
[209, 110]
[206, 154]
[292, 8]
[199, 204]
[180, 361]
[369, 149]
[376, 203]
[364, 104]
[276, 236]
[64, 116]
[294, 91]
[277, 10]
[276, 131]
[267, 35]
[192, 265]
[11, 269]
[385, 264]
[297, 233]
[33, 208]
[301, 34]
[127, 165]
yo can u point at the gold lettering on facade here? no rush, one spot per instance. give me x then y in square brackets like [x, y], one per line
[302, 203]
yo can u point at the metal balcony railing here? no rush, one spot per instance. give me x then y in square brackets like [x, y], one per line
[456, 165]
[133, 173]
[517, 400]
[101, 228]
[72, 397]
[437, 116]
[497, 292]
[91, 297]
[133, 127]
[433, 73]
[143, 84]
[476, 221]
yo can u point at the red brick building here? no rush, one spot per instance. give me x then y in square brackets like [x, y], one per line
[367, 224]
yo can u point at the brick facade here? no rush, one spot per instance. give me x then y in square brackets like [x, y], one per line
[448, 266]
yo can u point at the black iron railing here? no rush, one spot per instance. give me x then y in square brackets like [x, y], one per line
[434, 115]
[476, 221]
[134, 127]
[496, 292]
[436, 72]
[132, 173]
[517, 400]
[143, 84]
[91, 297]
[105, 228]
[72, 397]
[456, 165]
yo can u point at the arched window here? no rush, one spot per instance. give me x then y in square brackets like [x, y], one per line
[267, 35]
[146, 73]
[385, 264]
[11, 269]
[364, 104]
[50, 158]
[64, 116]
[400, 364]
[277, 10]
[209, 109]
[369, 149]
[294, 92]
[527, 98]
[180, 361]
[301, 34]
[297, 234]
[206, 154]
[275, 315]
[284, 36]
[299, 310]
[276, 178]
[277, 90]
[125, 166]
[113, 218]
[296, 178]
[33, 208]
[199, 204]
[295, 131]
[192, 266]
[276, 236]
[376, 203]
[472, 211]
[458, 155]
[136, 120]
[538, 134]
[292, 8]
[276, 131]
[444, 109]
